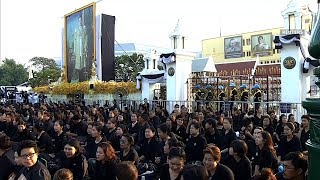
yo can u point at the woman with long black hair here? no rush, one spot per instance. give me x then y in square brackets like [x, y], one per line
[279, 128]
[266, 156]
[127, 152]
[289, 142]
[97, 134]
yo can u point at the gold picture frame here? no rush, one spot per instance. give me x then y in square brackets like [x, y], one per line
[65, 36]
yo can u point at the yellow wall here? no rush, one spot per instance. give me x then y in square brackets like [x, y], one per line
[215, 47]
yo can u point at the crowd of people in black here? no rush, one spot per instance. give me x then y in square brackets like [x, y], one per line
[64, 141]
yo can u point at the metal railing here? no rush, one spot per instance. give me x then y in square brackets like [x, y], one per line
[222, 106]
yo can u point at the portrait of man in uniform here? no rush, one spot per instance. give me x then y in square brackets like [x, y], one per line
[233, 47]
[80, 49]
[80, 43]
[262, 45]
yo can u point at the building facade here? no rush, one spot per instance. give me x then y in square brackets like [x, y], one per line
[247, 46]
[243, 47]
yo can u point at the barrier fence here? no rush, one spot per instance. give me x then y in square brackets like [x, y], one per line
[222, 106]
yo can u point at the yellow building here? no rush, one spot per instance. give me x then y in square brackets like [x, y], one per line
[249, 45]
[243, 47]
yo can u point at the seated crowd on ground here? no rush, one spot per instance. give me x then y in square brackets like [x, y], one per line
[65, 141]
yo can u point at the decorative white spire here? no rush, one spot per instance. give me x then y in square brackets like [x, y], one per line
[177, 37]
[177, 30]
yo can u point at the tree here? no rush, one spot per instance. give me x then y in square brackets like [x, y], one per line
[127, 67]
[12, 74]
[47, 71]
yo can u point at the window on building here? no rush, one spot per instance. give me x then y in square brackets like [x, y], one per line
[278, 61]
[292, 24]
[249, 53]
[248, 42]
[244, 54]
[243, 42]
[303, 25]
[278, 51]
[174, 42]
[147, 63]
[182, 42]
[274, 51]
[154, 63]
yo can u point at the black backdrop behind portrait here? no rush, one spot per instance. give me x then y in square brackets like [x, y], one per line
[107, 47]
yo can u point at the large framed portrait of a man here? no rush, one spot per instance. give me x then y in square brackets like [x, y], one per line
[233, 47]
[261, 44]
[79, 43]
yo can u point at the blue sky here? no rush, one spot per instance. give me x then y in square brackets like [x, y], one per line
[34, 27]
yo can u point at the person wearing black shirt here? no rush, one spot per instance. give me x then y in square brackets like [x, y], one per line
[164, 133]
[238, 162]
[78, 128]
[195, 144]
[292, 119]
[252, 148]
[115, 140]
[10, 129]
[237, 119]
[212, 135]
[44, 141]
[257, 120]
[143, 121]
[110, 128]
[304, 132]
[32, 168]
[59, 138]
[193, 172]
[48, 123]
[216, 171]
[127, 152]
[6, 156]
[23, 133]
[274, 118]
[96, 133]
[279, 128]
[266, 124]
[150, 148]
[266, 154]
[146, 105]
[228, 135]
[154, 119]
[106, 162]
[176, 160]
[74, 160]
[179, 130]
[134, 126]
[289, 142]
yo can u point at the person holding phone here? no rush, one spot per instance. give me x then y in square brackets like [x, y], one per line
[304, 132]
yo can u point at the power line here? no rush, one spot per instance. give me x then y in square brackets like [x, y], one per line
[125, 52]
